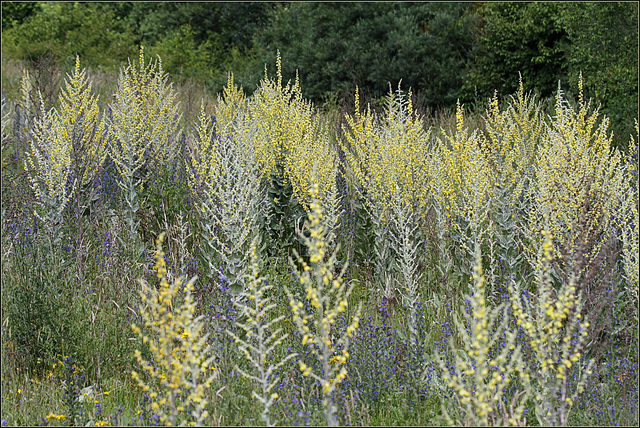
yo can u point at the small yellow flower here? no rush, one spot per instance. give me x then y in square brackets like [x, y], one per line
[56, 417]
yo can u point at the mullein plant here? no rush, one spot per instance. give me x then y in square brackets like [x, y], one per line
[327, 295]
[556, 331]
[67, 150]
[232, 103]
[83, 126]
[181, 364]
[365, 171]
[49, 167]
[461, 175]
[203, 154]
[387, 158]
[631, 227]
[580, 190]
[6, 119]
[27, 110]
[513, 135]
[480, 379]
[405, 240]
[143, 129]
[6, 115]
[315, 148]
[579, 184]
[283, 115]
[232, 203]
[286, 119]
[262, 337]
[444, 262]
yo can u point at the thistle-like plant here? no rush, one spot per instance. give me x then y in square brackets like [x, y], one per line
[479, 381]
[328, 296]
[262, 336]
[143, 129]
[180, 352]
[556, 331]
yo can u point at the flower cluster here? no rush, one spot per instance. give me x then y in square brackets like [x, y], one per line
[328, 296]
[143, 128]
[180, 365]
[479, 380]
[557, 334]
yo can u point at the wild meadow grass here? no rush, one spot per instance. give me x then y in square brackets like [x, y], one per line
[270, 262]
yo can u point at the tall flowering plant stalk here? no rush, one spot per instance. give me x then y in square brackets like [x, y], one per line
[557, 332]
[479, 381]
[262, 337]
[143, 129]
[631, 226]
[513, 137]
[388, 160]
[6, 116]
[314, 147]
[83, 126]
[49, 166]
[327, 296]
[405, 240]
[26, 110]
[180, 365]
[578, 185]
[287, 122]
[230, 105]
[283, 115]
[579, 196]
[462, 187]
[231, 197]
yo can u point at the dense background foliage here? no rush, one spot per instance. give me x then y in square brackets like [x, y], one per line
[443, 51]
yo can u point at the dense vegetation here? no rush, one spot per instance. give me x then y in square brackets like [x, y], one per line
[444, 51]
[312, 250]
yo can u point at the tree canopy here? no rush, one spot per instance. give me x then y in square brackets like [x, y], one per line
[444, 51]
